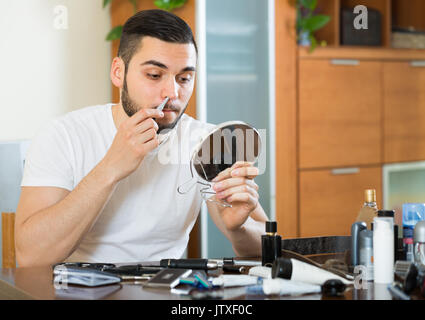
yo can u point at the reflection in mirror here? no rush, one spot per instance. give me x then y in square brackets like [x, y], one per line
[228, 143]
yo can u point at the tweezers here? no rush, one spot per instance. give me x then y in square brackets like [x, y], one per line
[162, 105]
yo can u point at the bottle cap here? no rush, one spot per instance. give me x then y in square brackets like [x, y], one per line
[386, 213]
[370, 195]
[333, 288]
[282, 268]
[419, 232]
[271, 226]
[382, 223]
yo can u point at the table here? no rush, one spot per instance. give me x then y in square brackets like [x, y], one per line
[37, 283]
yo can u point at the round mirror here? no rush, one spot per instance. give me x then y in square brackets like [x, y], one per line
[227, 144]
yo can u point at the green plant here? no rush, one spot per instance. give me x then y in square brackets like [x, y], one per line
[308, 22]
[167, 5]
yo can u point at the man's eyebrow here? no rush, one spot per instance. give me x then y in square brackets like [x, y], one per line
[189, 69]
[163, 66]
[155, 63]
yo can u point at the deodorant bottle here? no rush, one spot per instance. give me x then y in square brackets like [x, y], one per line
[383, 250]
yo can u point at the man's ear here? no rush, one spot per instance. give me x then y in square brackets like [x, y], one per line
[117, 72]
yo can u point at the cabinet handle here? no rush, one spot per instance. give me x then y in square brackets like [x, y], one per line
[341, 171]
[345, 62]
[417, 63]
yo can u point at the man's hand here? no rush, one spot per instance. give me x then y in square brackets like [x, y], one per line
[135, 138]
[236, 186]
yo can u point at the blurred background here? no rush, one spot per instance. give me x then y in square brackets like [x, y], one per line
[339, 85]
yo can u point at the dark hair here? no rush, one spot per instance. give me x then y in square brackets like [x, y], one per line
[155, 23]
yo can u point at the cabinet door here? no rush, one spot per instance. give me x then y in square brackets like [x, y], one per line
[339, 113]
[404, 111]
[331, 199]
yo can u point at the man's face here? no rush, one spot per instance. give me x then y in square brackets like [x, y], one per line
[158, 70]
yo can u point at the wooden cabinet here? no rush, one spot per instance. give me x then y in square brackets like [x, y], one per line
[330, 116]
[339, 113]
[330, 200]
[404, 111]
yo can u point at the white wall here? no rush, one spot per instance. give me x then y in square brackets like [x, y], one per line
[46, 71]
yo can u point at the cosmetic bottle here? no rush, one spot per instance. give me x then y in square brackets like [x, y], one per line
[271, 244]
[391, 214]
[369, 209]
[383, 250]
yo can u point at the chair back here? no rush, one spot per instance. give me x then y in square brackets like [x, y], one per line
[8, 239]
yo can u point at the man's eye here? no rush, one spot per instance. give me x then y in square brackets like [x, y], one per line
[153, 76]
[184, 79]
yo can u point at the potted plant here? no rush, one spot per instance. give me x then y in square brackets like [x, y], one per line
[167, 5]
[308, 22]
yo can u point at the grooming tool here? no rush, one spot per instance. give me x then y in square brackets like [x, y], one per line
[203, 264]
[397, 293]
[163, 103]
[168, 278]
[232, 262]
[83, 276]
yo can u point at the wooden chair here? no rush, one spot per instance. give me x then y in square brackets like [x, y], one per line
[8, 239]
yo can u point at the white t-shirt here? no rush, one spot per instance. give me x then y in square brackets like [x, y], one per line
[145, 219]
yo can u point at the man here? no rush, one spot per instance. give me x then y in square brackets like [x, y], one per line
[94, 188]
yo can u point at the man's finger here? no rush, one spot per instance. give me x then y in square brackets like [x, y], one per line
[243, 197]
[143, 114]
[227, 172]
[248, 172]
[238, 189]
[146, 125]
[233, 182]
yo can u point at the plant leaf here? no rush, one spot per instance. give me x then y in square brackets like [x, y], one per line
[114, 34]
[309, 4]
[169, 5]
[106, 2]
[315, 23]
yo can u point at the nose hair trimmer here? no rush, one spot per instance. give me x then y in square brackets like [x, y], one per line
[163, 103]
[162, 137]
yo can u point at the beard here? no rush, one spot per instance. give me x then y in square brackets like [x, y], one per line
[130, 107]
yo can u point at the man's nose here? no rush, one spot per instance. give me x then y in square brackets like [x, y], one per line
[171, 89]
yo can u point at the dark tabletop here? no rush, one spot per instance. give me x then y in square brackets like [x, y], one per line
[37, 283]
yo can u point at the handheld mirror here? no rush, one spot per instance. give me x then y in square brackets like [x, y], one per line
[226, 144]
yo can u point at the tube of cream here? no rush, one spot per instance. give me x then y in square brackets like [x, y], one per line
[283, 287]
[234, 280]
[293, 269]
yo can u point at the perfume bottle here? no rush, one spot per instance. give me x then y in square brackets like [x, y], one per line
[369, 210]
[271, 244]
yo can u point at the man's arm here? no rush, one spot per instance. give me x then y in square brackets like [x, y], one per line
[243, 223]
[246, 239]
[50, 222]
